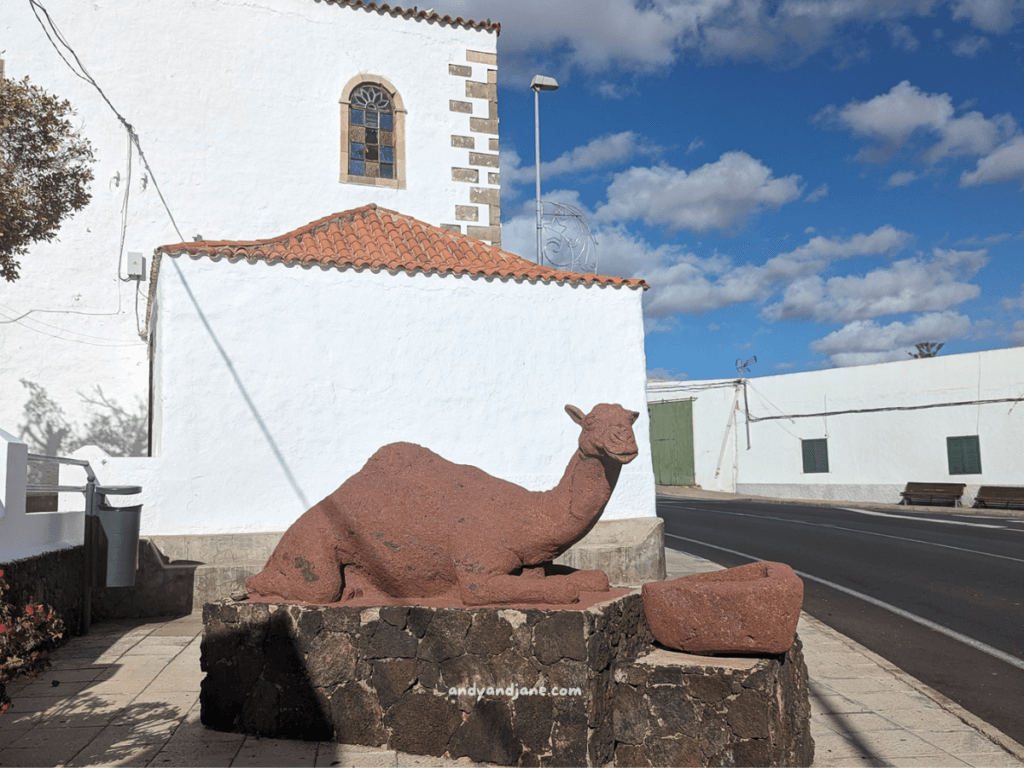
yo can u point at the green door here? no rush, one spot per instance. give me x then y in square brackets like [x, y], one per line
[672, 442]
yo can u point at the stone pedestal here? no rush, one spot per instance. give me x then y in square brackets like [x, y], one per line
[675, 708]
[499, 685]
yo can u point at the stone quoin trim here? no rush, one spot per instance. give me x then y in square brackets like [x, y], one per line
[468, 170]
[398, 182]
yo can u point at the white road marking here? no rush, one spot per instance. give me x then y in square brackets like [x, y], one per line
[926, 519]
[857, 530]
[976, 644]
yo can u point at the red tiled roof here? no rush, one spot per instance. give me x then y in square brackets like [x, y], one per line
[416, 13]
[376, 238]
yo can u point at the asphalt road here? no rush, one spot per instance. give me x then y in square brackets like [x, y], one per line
[963, 573]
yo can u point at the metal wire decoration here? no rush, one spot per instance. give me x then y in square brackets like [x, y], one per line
[568, 242]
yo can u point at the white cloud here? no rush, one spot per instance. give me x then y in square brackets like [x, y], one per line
[717, 195]
[602, 151]
[817, 194]
[968, 47]
[909, 285]
[901, 179]
[990, 15]
[1017, 334]
[714, 327]
[1011, 304]
[665, 374]
[903, 37]
[634, 36]
[864, 341]
[1005, 163]
[971, 134]
[696, 144]
[892, 118]
[990, 240]
[683, 282]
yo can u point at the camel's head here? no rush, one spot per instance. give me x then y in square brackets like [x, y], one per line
[607, 432]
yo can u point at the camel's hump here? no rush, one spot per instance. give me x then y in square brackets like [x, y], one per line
[413, 465]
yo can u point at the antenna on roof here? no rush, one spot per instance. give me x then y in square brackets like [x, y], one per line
[743, 366]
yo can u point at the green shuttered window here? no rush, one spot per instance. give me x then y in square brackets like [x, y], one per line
[964, 455]
[815, 455]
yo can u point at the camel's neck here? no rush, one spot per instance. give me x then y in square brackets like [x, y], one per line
[573, 506]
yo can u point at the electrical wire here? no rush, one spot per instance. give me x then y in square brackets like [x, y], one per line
[889, 408]
[54, 35]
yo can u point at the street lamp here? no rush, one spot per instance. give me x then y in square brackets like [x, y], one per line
[538, 84]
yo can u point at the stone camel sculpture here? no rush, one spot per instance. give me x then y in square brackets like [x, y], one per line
[411, 524]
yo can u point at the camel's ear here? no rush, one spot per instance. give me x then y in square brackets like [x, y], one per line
[575, 414]
[633, 416]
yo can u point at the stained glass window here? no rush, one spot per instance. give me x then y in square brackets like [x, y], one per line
[371, 133]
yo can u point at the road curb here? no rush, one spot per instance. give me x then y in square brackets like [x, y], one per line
[688, 492]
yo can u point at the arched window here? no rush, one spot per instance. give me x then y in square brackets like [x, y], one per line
[373, 133]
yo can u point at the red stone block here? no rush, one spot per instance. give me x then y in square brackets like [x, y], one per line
[750, 609]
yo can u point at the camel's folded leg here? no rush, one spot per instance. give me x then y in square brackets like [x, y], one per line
[589, 581]
[485, 589]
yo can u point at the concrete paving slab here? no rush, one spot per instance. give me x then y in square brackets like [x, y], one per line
[195, 756]
[267, 753]
[120, 745]
[49, 689]
[862, 722]
[86, 710]
[59, 743]
[12, 733]
[990, 760]
[961, 742]
[351, 756]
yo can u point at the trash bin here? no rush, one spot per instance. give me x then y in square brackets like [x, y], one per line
[116, 537]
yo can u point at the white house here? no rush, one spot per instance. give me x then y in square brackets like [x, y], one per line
[281, 365]
[250, 118]
[856, 434]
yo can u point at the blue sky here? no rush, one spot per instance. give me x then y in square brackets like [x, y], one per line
[818, 183]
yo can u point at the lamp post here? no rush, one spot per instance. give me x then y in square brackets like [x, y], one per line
[538, 84]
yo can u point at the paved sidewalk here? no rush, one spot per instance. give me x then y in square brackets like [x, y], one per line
[128, 694]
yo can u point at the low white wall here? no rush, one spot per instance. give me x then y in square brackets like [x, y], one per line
[871, 455]
[277, 383]
[27, 535]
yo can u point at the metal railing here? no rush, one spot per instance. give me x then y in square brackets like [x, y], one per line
[56, 487]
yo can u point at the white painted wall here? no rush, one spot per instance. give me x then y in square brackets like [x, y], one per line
[236, 107]
[277, 383]
[27, 535]
[872, 456]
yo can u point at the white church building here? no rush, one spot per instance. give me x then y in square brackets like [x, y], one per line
[251, 118]
[291, 257]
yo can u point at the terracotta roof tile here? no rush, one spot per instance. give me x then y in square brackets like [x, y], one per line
[416, 13]
[377, 238]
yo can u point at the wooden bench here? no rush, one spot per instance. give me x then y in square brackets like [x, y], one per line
[1003, 496]
[947, 494]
